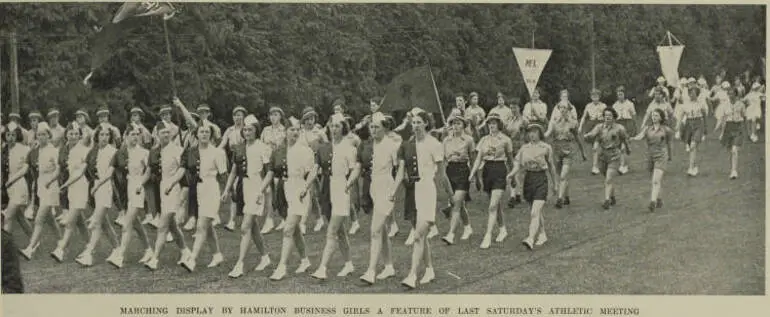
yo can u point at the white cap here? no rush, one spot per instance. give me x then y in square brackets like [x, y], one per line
[250, 120]
[43, 126]
[337, 118]
[12, 126]
[661, 79]
[755, 85]
[416, 110]
[725, 85]
[702, 81]
[294, 123]
[691, 80]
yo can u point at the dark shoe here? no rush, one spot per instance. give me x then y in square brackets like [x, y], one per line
[652, 206]
[566, 201]
[559, 203]
[606, 205]
[659, 203]
[613, 201]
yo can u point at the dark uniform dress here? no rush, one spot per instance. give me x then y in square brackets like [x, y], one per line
[280, 174]
[32, 174]
[191, 162]
[365, 156]
[4, 171]
[152, 186]
[120, 179]
[408, 152]
[64, 174]
[236, 157]
[323, 157]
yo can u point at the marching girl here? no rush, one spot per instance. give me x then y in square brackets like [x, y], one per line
[165, 117]
[536, 158]
[298, 173]
[313, 137]
[204, 163]
[86, 132]
[502, 110]
[536, 111]
[516, 130]
[58, 132]
[754, 110]
[458, 150]
[355, 190]
[231, 139]
[691, 127]
[610, 137]
[565, 136]
[138, 172]
[103, 116]
[731, 124]
[494, 151]
[251, 163]
[567, 106]
[421, 165]
[74, 188]
[30, 139]
[146, 141]
[16, 182]
[383, 161]
[593, 116]
[99, 170]
[658, 137]
[274, 135]
[474, 113]
[188, 140]
[626, 117]
[658, 102]
[171, 216]
[339, 167]
[47, 189]
[204, 112]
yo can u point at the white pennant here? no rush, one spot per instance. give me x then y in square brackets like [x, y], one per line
[531, 63]
[669, 62]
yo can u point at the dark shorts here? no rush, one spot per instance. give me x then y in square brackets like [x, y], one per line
[535, 186]
[609, 161]
[458, 173]
[657, 162]
[629, 125]
[237, 197]
[693, 130]
[494, 175]
[734, 134]
[564, 153]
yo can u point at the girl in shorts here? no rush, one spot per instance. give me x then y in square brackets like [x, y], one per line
[658, 137]
[72, 160]
[593, 116]
[565, 139]
[458, 150]
[731, 126]
[610, 137]
[691, 127]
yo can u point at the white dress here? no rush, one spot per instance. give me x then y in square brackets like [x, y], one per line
[48, 165]
[299, 162]
[384, 159]
[343, 160]
[213, 162]
[77, 193]
[104, 161]
[137, 164]
[257, 155]
[170, 161]
[430, 152]
[754, 101]
[18, 192]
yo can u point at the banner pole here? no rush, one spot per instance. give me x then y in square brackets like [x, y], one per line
[170, 58]
[435, 90]
[14, 74]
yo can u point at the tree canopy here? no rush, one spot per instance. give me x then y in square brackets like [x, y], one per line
[295, 55]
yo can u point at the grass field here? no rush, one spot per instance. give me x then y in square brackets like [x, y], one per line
[709, 239]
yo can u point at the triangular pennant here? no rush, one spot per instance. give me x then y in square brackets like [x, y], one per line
[669, 62]
[531, 64]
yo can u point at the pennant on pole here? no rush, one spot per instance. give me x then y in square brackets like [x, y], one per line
[413, 88]
[669, 62]
[129, 17]
[531, 64]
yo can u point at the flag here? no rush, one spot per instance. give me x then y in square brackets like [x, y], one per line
[669, 62]
[413, 88]
[129, 17]
[531, 64]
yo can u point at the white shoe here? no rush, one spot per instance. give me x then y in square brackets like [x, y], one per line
[529, 243]
[502, 234]
[115, 259]
[58, 254]
[152, 264]
[429, 276]
[433, 232]
[690, 171]
[687, 148]
[319, 274]
[189, 264]
[119, 220]
[279, 273]
[263, 263]
[303, 266]
[190, 225]
[354, 228]
[319, 225]
[467, 232]
[754, 138]
[237, 271]
[733, 175]
[541, 239]
[487, 242]
[155, 223]
[623, 169]
[410, 238]
[230, 226]
[216, 260]
[368, 277]
[449, 238]
[280, 225]
[147, 256]
[346, 270]
[595, 171]
[27, 253]
[147, 219]
[695, 171]
[393, 230]
[85, 259]
[29, 213]
[387, 272]
[169, 237]
[410, 282]
[268, 226]
[186, 253]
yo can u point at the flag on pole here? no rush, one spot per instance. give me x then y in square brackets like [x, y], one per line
[129, 17]
[669, 62]
[531, 64]
[413, 88]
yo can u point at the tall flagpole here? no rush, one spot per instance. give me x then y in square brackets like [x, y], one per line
[170, 57]
[593, 55]
[14, 74]
[435, 90]
[2, 42]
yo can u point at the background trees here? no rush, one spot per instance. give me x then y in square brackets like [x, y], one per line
[296, 55]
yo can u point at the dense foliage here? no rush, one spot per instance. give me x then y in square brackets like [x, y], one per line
[296, 55]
